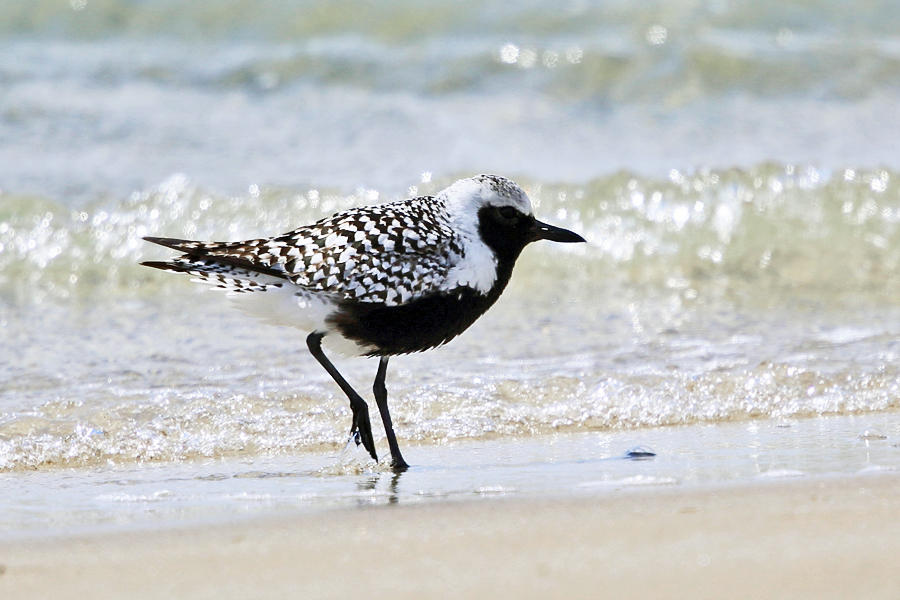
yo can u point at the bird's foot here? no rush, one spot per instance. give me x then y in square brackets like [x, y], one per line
[398, 465]
[362, 434]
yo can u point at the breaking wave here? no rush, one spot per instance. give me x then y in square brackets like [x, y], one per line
[788, 228]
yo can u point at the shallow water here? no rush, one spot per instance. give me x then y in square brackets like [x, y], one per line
[718, 296]
[735, 171]
[564, 465]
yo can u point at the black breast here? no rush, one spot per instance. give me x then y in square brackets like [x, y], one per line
[418, 325]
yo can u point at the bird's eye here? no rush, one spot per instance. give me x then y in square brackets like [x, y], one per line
[508, 212]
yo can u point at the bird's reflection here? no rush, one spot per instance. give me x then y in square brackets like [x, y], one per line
[369, 486]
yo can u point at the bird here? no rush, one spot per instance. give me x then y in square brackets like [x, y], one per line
[380, 280]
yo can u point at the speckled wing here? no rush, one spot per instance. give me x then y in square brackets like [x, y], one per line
[387, 254]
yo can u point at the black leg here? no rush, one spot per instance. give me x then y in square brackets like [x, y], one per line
[381, 400]
[361, 427]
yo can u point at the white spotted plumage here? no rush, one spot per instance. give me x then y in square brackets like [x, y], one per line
[387, 254]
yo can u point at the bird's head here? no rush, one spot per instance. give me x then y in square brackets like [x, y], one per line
[500, 212]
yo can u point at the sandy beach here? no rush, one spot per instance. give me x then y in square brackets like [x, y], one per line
[819, 538]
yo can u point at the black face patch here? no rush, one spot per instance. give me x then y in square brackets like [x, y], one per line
[505, 230]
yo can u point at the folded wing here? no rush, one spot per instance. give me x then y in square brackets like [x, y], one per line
[387, 254]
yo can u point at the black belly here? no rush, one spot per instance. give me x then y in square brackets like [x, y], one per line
[418, 325]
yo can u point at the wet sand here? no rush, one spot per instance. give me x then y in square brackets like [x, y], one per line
[826, 537]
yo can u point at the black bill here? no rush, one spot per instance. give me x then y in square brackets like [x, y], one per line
[543, 231]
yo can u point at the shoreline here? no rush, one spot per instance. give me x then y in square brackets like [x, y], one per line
[828, 537]
[53, 504]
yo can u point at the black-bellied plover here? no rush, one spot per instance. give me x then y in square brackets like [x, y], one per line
[379, 280]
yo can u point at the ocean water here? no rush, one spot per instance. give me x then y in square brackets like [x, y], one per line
[735, 167]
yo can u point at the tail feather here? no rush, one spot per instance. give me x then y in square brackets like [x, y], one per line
[216, 251]
[165, 266]
[177, 244]
[224, 276]
[230, 273]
